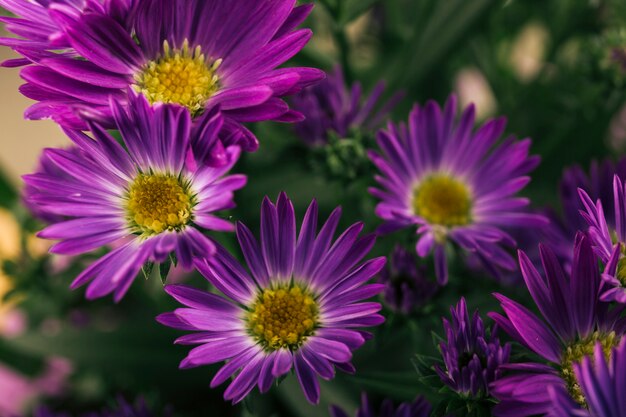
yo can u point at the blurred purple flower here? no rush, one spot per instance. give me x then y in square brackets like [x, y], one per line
[18, 391]
[418, 408]
[407, 288]
[123, 409]
[330, 107]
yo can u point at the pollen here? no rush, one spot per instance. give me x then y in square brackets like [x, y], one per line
[442, 200]
[283, 317]
[158, 202]
[575, 354]
[181, 76]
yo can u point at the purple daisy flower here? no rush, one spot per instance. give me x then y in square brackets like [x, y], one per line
[453, 184]
[609, 239]
[418, 408]
[330, 107]
[298, 307]
[574, 321]
[472, 358]
[602, 383]
[407, 288]
[144, 198]
[199, 54]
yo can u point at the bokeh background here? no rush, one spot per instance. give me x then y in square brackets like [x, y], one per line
[555, 68]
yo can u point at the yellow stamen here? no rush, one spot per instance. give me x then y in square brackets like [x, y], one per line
[442, 200]
[158, 202]
[576, 352]
[283, 317]
[180, 76]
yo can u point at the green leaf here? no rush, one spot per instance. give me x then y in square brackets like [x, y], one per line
[164, 269]
[8, 192]
[147, 269]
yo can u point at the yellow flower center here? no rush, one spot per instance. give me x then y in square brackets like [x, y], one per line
[575, 354]
[283, 317]
[179, 76]
[443, 200]
[158, 202]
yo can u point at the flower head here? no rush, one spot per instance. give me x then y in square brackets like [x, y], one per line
[574, 321]
[330, 106]
[407, 288]
[453, 184]
[609, 238]
[418, 408]
[297, 308]
[601, 381]
[145, 197]
[199, 54]
[472, 358]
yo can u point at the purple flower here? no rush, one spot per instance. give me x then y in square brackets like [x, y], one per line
[199, 54]
[418, 408]
[37, 30]
[472, 358]
[123, 409]
[574, 321]
[144, 198]
[453, 184]
[330, 107]
[598, 185]
[560, 234]
[407, 287]
[297, 308]
[604, 233]
[602, 382]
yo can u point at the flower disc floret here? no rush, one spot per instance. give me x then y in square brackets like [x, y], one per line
[158, 202]
[283, 317]
[443, 200]
[181, 76]
[575, 353]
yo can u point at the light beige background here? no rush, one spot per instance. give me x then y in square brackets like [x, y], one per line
[21, 140]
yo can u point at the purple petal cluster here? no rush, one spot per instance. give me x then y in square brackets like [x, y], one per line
[598, 186]
[418, 408]
[299, 307]
[158, 48]
[407, 287]
[330, 106]
[38, 31]
[574, 319]
[609, 238]
[602, 382]
[453, 183]
[146, 198]
[472, 358]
